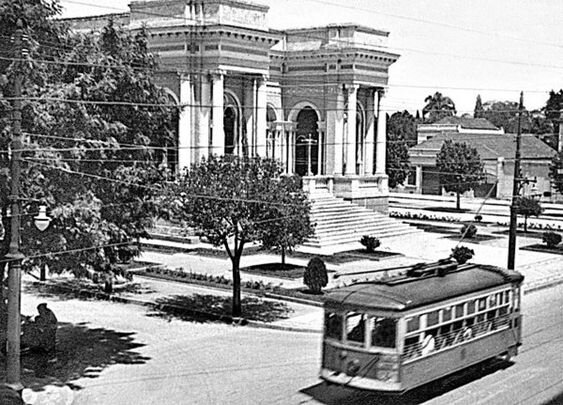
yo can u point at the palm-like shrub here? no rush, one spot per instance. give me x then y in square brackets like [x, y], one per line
[469, 230]
[462, 254]
[315, 276]
[551, 239]
[370, 242]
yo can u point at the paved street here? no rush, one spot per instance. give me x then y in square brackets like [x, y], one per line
[145, 357]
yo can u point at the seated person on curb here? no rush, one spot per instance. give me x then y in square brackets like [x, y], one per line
[42, 332]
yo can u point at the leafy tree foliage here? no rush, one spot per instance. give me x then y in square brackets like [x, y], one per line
[94, 157]
[437, 107]
[234, 201]
[528, 207]
[401, 133]
[504, 114]
[553, 107]
[460, 168]
[290, 225]
[556, 172]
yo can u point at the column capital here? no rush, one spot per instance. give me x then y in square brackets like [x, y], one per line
[217, 74]
[350, 87]
[382, 92]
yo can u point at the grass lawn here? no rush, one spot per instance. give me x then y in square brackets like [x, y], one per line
[558, 250]
[476, 239]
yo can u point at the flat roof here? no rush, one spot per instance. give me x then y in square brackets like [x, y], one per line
[428, 287]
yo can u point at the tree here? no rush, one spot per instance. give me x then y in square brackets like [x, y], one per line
[460, 168]
[504, 114]
[528, 207]
[553, 107]
[437, 107]
[401, 132]
[478, 111]
[290, 224]
[234, 201]
[556, 172]
[94, 158]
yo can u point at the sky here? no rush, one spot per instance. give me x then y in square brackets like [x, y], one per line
[458, 47]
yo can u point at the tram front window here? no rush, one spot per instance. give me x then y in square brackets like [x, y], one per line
[384, 332]
[333, 325]
[355, 327]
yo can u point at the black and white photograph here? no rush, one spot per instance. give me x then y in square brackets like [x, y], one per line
[281, 202]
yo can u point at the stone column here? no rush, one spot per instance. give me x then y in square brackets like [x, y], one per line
[381, 139]
[418, 180]
[218, 134]
[202, 146]
[260, 111]
[334, 131]
[248, 115]
[185, 123]
[350, 142]
[320, 148]
[369, 147]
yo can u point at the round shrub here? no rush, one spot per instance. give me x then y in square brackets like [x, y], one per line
[469, 230]
[370, 242]
[551, 239]
[315, 276]
[462, 254]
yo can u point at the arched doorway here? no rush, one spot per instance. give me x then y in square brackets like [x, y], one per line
[306, 143]
[271, 118]
[231, 123]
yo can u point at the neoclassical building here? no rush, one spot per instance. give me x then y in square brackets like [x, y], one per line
[312, 97]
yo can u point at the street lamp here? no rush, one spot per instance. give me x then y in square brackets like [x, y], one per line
[309, 141]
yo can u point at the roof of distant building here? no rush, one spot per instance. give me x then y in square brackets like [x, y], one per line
[467, 122]
[492, 146]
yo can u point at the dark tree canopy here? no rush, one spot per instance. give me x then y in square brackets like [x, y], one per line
[235, 200]
[478, 110]
[437, 107]
[401, 133]
[94, 156]
[553, 108]
[460, 168]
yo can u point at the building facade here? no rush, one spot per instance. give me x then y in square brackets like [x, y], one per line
[312, 98]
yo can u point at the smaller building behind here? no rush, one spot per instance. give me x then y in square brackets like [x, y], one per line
[497, 154]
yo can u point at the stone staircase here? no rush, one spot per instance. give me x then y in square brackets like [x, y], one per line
[340, 225]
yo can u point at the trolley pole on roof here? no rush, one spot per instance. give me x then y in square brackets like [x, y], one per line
[515, 191]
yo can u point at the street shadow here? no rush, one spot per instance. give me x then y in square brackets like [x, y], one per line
[80, 352]
[331, 394]
[79, 289]
[207, 307]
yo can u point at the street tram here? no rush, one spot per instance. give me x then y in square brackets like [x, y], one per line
[399, 333]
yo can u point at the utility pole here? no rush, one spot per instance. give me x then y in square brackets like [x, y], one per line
[13, 365]
[515, 191]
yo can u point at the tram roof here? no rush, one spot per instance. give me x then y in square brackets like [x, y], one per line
[422, 286]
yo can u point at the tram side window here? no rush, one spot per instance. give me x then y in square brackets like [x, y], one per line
[432, 318]
[446, 314]
[355, 327]
[333, 325]
[482, 304]
[413, 324]
[459, 310]
[470, 307]
[384, 332]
